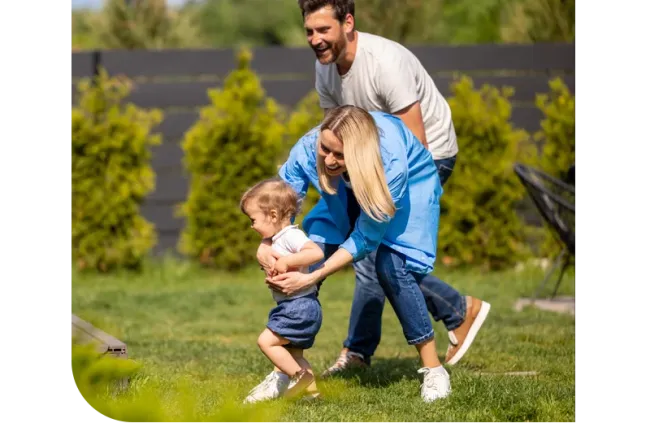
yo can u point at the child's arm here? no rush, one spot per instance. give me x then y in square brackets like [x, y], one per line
[309, 254]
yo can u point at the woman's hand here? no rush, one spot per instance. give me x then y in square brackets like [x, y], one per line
[291, 282]
[266, 257]
[281, 266]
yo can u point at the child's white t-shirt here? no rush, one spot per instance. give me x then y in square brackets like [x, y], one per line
[290, 240]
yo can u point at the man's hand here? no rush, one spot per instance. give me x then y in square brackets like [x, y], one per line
[266, 257]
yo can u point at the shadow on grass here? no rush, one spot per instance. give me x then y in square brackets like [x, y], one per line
[384, 372]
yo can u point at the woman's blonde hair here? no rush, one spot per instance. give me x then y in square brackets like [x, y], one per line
[359, 134]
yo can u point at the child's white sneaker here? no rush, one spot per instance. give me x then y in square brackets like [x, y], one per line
[436, 383]
[273, 386]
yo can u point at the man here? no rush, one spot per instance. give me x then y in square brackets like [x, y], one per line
[374, 73]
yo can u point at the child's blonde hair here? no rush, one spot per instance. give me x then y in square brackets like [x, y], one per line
[359, 134]
[273, 194]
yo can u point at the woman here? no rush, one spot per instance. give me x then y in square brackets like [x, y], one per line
[372, 160]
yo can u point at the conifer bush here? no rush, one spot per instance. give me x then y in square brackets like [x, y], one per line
[479, 223]
[234, 144]
[558, 129]
[111, 175]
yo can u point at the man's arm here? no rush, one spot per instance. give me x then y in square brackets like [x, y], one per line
[397, 87]
[412, 118]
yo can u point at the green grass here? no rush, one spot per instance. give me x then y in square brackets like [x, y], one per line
[199, 328]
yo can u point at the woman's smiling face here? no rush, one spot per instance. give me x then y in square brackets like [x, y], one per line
[330, 148]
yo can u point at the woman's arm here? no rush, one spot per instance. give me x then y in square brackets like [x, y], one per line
[336, 262]
[292, 282]
[295, 171]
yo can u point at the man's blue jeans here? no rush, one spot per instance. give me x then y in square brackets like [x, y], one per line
[445, 167]
[443, 302]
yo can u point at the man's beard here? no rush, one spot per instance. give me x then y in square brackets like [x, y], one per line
[331, 52]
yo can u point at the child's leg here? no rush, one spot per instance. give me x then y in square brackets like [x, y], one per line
[297, 354]
[308, 384]
[272, 346]
[295, 323]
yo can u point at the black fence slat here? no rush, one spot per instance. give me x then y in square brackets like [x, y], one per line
[82, 64]
[162, 216]
[300, 60]
[172, 186]
[290, 92]
[527, 117]
[195, 93]
[514, 57]
[175, 124]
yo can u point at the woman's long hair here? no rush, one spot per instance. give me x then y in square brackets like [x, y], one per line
[359, 134]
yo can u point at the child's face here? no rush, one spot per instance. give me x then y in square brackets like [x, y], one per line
[265, 225]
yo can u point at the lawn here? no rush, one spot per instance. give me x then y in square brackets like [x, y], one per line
[199, 327]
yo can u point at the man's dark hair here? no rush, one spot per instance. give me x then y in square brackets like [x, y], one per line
[341, 7]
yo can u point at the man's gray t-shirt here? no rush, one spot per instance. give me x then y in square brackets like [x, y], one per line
[386, 76]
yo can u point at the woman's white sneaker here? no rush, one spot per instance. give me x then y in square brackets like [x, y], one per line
[436, 383]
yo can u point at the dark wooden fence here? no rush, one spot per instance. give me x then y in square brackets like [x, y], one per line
[177, 82]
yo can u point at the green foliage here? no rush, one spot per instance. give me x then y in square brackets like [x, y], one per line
[471, 21]
[151, 25]
[146, 24]
[558, 136]
[533, 21]
[407, 21]
[306, 115]
[234, 144]
[83, 30]
[479, 223]
[97, 377]
[111, 175]
[227, 23]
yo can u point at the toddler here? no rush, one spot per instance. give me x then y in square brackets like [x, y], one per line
[271, 205]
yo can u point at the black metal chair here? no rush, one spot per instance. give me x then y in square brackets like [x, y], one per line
[555, 200]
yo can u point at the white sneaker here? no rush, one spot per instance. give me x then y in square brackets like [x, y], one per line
[436, 383]
[273, 386]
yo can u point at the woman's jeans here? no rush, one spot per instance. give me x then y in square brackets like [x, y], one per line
[443, 302]
[382, 274]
